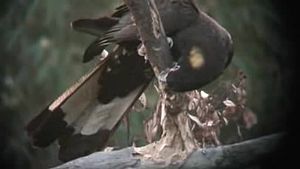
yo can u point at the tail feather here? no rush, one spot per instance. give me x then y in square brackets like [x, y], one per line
[47, 127]
[50, 123]
[84, 116]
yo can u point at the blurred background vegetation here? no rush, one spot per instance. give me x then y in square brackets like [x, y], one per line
[41, 56]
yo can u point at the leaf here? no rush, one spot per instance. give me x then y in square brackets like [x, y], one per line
[209, 123]
[229, 103]
[250, 119]
[195, 119]
[204, 95]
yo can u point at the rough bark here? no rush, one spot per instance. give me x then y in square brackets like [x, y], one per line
[239, 155]
[176, 141]
[152, 33]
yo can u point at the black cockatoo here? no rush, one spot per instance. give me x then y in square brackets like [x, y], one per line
[83, 118]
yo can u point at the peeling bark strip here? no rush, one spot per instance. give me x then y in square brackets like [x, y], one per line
[239, 155]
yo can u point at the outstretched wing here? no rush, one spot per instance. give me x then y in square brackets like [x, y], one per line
[117, 27]
[100, 25]
[84, 116]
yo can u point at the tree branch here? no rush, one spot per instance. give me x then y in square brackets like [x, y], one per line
[176, 145]
[176, 142]
[239, 155]
[152, 33]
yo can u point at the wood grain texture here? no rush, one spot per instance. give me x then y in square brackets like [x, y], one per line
[239, 155]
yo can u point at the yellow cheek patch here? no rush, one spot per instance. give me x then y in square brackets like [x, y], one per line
[196, 58]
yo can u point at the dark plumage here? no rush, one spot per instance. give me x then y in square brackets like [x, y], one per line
[84, 117]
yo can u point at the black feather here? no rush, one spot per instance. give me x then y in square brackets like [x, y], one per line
[95, 27]
[102, 87]
[94, 49]
[120, 11]
[49, 122]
